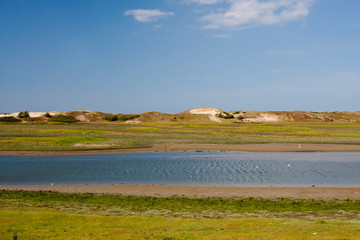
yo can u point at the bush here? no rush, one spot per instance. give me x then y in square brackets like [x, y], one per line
[111, 118]
[240, 117]
[64, 119]
[24, 114]
[9, 119]
[127, 117]
[123, 118]
[47, 115]
[227, 115]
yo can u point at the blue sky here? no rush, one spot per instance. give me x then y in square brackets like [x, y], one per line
[132, 56]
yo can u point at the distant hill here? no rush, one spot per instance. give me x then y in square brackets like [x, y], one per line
[199, 115]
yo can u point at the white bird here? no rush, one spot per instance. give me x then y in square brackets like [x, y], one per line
[299, 146]
[289, 165]
[52, 184]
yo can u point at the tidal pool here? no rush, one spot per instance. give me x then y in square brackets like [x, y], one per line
[185, 169]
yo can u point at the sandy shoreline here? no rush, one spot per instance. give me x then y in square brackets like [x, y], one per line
[269, 147]
[323, 193]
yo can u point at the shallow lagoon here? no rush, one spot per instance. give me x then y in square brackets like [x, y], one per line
[184, 168]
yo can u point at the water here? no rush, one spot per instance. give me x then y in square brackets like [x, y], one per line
[184, 168]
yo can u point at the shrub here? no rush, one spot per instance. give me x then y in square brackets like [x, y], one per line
[64, 119]
[9, 119]
[240, 117]
[111, 118]
[229, 116]
[24, 114]
[236, 112]
[47, 115]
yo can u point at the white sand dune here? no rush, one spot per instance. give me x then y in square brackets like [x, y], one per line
[211, 112]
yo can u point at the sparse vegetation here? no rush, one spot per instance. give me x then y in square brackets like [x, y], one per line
[225, 116]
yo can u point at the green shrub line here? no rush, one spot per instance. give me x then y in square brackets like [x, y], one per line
[171, 205]
[63, 119]
[9, 119]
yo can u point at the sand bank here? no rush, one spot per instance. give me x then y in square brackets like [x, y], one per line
[270, 147]
[324, 193]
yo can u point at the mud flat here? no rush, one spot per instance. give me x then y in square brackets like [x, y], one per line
[267, 147]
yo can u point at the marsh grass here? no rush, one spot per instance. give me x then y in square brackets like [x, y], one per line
[51, 215]
[172, 206]
[58, 137]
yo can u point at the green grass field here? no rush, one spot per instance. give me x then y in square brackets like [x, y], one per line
[93, 136]
[50, 215]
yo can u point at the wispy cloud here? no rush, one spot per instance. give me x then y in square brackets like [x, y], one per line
[147, 15]
[203, 1]
[221, 36]
[241, 14]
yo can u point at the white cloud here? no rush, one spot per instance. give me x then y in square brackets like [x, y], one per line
[147, 15]
[242, 14]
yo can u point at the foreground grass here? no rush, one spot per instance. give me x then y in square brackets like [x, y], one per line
[49, 224]
[51, 215]
[93, 136]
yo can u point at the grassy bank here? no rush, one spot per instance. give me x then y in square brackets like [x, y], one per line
[51, 215]
[100, 136]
